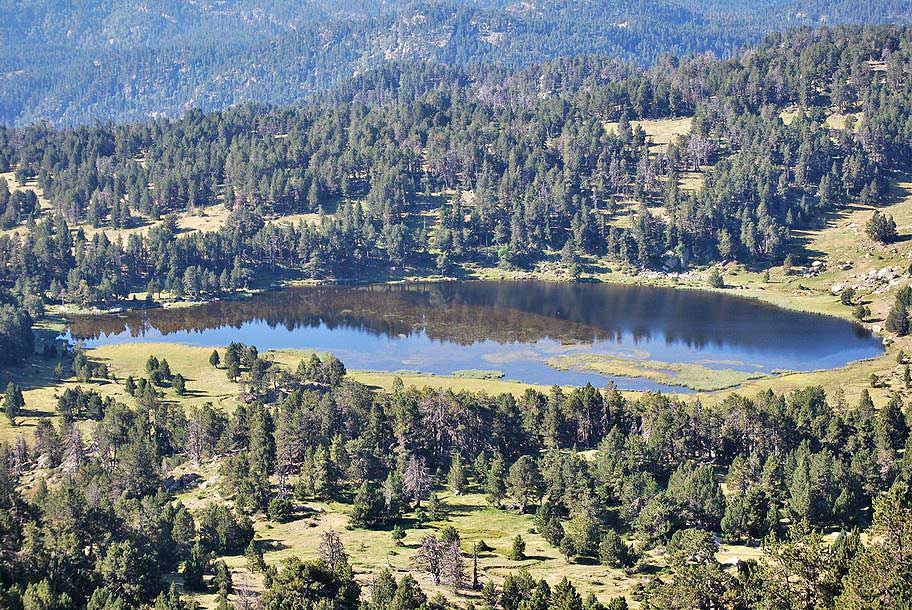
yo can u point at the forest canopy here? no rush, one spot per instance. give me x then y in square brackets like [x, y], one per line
[508, 166]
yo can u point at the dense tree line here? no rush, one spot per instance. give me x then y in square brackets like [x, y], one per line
[528, 162]
[106, 531]
[17, 342]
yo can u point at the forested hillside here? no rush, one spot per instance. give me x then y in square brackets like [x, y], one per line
[98, 530]
[274, 143]
[423, 168]
[78, 62]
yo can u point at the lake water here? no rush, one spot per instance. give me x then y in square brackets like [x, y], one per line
[507, 326]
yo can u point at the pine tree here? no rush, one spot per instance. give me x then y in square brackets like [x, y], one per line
[524, 481]
[898, 319]
[180, 384]
[367, 508]
[398, 534]
[130, 385]
[518, 549]
[416, 480]
[13, 402]
[715, 279]
[456, 478]
[880, 576]
[429, 557]
[332, 551]
[494, 482]
[195, 568]
[565, 597]
[224, 584]
[881, 227]
[453, 565]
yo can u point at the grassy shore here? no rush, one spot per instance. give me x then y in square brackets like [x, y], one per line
[688, 375]
[205, 384]
[845, 256]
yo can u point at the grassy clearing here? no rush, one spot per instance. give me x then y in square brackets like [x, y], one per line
[384, 380]
[690, 182]
[834, 120]
[372, 550]
[693, 376]
[469, 513]
[662, 132]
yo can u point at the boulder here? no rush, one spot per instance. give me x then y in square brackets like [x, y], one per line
[670, 261]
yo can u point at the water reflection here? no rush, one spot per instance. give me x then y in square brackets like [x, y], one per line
[509, 326]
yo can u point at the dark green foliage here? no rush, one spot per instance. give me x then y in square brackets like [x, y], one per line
[345, 155]
[221, 531]
[304, 585]
[518, 549]
[494, 481]
[368, 510]
[76, 403]
[179, 384]
[329, 371]
[881, 227]
[13, 402]
[130, 385]
[131, 571]
[398, 534]
[898, 319]
[613, 551]
[698, 495]
[280, 509]
[715, 279]
[195, 568]
[524, 482]
[16, 340]
[548, 524]
[222, 580]
[881, 574]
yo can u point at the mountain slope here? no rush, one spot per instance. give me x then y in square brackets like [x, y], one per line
[77, 62]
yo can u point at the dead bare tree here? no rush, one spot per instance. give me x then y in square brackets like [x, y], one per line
[332, 551]
[429, 557]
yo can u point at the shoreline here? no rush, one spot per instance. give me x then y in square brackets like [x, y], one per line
[613, 278]
[773, 298]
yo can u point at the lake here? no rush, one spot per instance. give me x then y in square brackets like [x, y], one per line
[642, 338]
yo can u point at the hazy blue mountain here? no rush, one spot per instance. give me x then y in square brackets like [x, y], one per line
[74, 62]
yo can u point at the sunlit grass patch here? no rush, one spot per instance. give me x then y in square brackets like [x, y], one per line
[689, 375]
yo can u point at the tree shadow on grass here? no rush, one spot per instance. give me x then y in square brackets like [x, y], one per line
[268, 545]
[802, 238]
[38, 372]
[189, 393]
